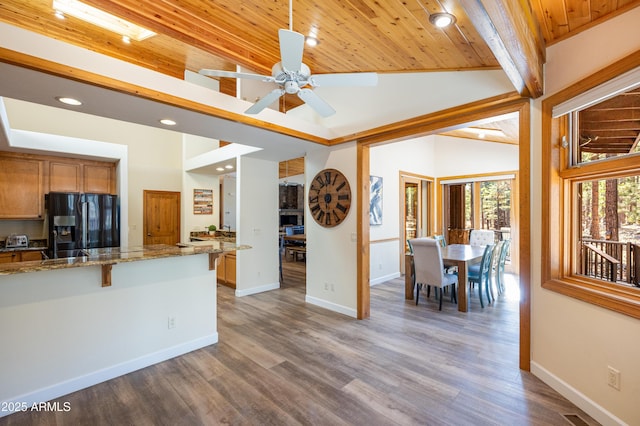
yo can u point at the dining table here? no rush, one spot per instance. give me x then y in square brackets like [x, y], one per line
[459, 255]
[297, 246]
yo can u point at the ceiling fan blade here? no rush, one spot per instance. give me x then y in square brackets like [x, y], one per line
[291, 49]
[230, 74]
[265, 101]
[344, 79]
[316, 102]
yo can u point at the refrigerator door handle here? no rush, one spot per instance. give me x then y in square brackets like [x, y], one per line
[84, 225]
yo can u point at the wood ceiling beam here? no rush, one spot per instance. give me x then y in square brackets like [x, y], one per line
[510, 29]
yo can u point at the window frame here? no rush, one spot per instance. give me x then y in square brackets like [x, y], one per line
[559, 218]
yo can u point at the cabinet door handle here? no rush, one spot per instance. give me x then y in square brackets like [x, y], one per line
[148, 235]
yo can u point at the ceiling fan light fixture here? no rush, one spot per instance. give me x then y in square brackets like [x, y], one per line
[442, 19]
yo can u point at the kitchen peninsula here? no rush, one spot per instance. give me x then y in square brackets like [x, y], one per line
[64, 330]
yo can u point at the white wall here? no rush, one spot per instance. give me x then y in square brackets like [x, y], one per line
[257, 226]
[331, 252]
[573, 342]
[193, 146]
[414, 156]
[229, 202]
[61, 331]
[458, 156]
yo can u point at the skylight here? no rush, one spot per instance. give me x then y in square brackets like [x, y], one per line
[102, 19]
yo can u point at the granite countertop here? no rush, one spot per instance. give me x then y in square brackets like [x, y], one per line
[110, 256]
[212, 238]
[12, 249]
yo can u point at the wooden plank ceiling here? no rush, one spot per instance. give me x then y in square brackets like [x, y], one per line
[388, 36]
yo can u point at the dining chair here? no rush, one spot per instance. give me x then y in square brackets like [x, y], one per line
[501, 261]
[480, 273]
[429, 269]
[493, 282]
[440, 239]
[481, 237]
[281, 255]
[413, 269]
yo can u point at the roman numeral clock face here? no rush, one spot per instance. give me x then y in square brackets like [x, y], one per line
[329, 198]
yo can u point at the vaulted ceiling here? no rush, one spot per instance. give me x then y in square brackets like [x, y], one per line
[388, 36]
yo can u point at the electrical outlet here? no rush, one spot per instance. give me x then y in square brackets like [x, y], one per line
[171, 322]
[613, 377]
[326, 286]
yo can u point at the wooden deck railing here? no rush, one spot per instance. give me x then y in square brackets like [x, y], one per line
[613, 261]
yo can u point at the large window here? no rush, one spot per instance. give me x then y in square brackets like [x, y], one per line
[591, 223]
[483, 202]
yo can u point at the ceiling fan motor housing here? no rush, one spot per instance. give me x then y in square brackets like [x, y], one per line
[280, 75]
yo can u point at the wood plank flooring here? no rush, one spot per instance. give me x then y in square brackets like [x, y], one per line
[281, 361]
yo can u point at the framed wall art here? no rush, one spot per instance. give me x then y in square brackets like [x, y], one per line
[375, 200]
[203, 201]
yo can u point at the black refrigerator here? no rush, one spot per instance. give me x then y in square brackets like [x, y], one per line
[81, 221]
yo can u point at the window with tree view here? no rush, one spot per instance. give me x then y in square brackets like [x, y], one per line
[610, 229]
[591, 221]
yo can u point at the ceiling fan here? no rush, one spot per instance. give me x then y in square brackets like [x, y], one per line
[294, 77]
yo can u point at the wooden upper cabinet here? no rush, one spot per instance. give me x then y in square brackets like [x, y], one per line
[99, 179]
[21, 188]
[79, 176]
[64, 177]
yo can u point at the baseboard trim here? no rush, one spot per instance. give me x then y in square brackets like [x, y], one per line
[331, 306]
[384, 278]
[81, 382]
[586, 404]
[256, 290]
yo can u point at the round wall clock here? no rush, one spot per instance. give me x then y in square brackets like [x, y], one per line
[329, 197]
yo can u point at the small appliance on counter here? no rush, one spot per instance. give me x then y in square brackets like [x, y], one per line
[16, 241]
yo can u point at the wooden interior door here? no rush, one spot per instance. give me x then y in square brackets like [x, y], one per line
[161, 221]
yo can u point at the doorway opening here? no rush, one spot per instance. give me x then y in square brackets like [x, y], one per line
[416, 209]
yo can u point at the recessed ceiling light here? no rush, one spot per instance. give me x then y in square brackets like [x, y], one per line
[442, 20]
[220, 169]
[168, 122]
[228, 166]
[59, 14]
[102, 19]
[69, 101]
[126, 39]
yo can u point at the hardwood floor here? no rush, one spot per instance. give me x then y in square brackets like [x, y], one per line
[281, 361]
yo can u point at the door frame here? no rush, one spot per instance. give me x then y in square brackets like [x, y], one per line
[428, 210]
[437, 123]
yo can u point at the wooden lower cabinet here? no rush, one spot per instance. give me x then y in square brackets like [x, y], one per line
[20, 256]
[26, 256]
[226, 269]
[8, 257]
